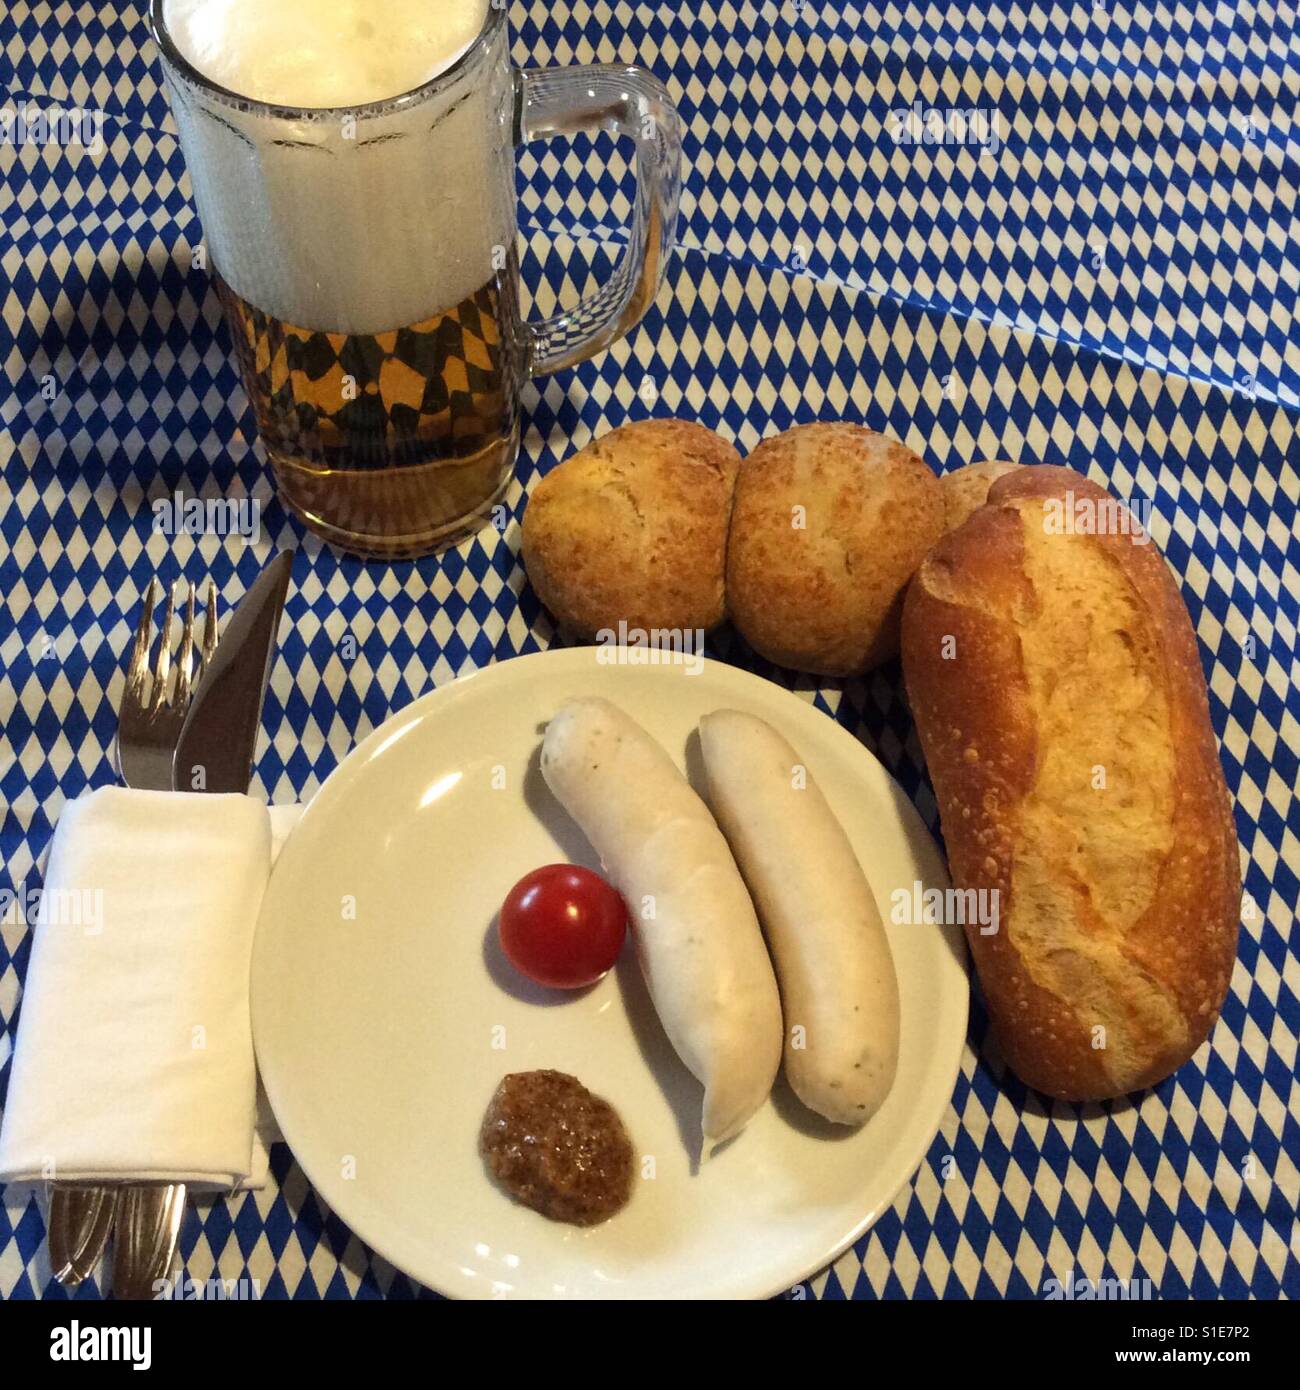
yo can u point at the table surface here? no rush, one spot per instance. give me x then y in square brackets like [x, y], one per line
[1113, 287]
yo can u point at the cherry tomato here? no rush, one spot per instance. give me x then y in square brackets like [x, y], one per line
[562, 926]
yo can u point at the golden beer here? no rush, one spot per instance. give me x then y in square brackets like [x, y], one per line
[388, 443]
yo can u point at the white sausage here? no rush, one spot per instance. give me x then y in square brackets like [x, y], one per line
[702, 951]
[838, 988]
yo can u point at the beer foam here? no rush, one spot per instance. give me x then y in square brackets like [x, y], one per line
[348, 225]
[322, 53]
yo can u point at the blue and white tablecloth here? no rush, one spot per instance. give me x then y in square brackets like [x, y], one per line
[1107, 279]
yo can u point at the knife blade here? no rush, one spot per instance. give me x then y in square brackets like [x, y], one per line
[215, 750]
[213, 754]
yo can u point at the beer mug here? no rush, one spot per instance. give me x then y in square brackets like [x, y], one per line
[366, 262]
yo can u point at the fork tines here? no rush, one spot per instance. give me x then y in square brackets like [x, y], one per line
[138, 668]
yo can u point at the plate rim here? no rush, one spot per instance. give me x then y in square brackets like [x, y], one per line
[401, 720]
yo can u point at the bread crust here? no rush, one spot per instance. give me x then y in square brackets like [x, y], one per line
[829, 523]
[967, 489]
[1129, 893]
[633, 529]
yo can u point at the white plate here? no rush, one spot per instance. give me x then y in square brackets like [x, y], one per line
[384, 1016]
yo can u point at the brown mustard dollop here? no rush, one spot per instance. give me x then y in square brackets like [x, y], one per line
[557, 1148]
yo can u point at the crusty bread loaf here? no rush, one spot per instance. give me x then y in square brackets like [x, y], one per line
[1058, 694]
[830, 521]
[633, 529]
[966, 489]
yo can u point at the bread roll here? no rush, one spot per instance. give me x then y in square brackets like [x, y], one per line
[1058, 694]
[966, 489]
[633, 529]
[829, 524]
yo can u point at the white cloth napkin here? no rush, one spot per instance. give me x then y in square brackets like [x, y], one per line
[134, 1055]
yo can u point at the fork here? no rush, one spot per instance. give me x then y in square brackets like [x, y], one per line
[149, 724]
[150, 720]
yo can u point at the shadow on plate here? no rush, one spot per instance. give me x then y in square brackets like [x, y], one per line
[685, 1095]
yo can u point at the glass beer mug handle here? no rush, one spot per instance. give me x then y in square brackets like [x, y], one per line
[622, 101]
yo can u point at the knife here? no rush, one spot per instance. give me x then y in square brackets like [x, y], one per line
[215, 750]
[213, 754]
